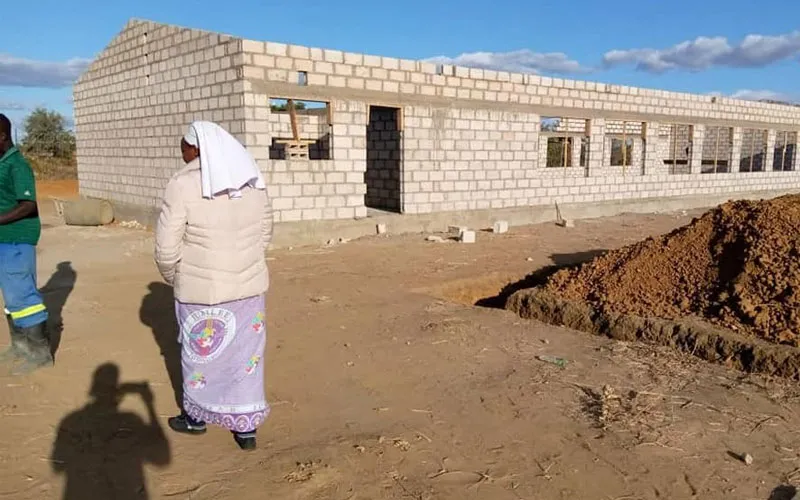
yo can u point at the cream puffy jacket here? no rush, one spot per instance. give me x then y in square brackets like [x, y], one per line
[212, 251]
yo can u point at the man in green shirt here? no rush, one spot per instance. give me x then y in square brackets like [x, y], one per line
[20, 229]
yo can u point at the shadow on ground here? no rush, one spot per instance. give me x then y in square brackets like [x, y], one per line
[540, 276]
[102, 450]
[55, 294]
[158, 313]
[783, 492]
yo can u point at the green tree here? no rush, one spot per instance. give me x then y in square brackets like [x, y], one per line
[284, 106]
[46, 134]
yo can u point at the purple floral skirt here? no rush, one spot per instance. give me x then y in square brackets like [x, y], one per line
[222, 350]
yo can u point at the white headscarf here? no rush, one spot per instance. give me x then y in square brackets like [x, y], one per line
[225, 165]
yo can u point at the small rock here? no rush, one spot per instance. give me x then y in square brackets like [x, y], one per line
[321, 298]
[401, 444]
[359, 448]
[529, 259]
[747, 459]
[380, 228]
[500, 227]
[344, 240]
[351, 364]
[467, 237]
[331, 243]
[435, 239]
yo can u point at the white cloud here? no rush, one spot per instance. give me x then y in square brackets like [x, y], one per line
[759, 95]
[753, 51]
[518, 61]
[12, 106]
[17, 72]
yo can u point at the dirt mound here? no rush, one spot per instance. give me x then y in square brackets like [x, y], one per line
[737, 266]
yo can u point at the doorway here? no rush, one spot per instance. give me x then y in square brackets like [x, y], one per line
[384, 156]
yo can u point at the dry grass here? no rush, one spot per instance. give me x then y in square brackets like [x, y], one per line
[50, 169]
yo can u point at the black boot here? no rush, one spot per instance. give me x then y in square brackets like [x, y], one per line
[14, 352]
[35, 349]
[245, 440]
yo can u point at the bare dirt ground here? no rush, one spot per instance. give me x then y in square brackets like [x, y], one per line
[386, 383]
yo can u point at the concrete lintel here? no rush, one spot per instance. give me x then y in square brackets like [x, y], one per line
[390, 99]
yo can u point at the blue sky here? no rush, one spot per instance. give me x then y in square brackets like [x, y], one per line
[707, 46]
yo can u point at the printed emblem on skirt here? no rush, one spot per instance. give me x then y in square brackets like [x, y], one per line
[207, 333]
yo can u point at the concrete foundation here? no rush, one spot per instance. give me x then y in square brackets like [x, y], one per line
[303, 233]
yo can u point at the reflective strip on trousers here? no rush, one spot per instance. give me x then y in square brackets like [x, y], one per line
[28, 311]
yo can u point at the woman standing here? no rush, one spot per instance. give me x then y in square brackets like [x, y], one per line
[214, 227]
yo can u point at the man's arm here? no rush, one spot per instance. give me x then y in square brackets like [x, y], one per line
[23, 210]
[25, 193]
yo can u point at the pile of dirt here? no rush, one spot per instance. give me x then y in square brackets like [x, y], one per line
[737, 266]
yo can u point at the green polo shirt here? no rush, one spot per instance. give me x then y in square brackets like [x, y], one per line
[17, 184]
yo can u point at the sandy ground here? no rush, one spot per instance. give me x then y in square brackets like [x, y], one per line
[385, 383]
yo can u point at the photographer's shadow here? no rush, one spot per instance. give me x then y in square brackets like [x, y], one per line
[102, 450]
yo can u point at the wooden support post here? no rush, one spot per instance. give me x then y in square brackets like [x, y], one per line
[293, 119]
[783, 151]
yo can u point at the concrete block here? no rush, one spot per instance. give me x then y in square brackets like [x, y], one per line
[500, 227]
[456, 230]
[380, 228]
[467, 237]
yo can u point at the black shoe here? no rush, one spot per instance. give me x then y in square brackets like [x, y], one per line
[245, 440]
[35, 349]
[186, 425]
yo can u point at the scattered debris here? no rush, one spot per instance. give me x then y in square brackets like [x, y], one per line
[359, 448]
[303, 472]
[131, 224]
[500, 227]
[401, 444]
[553, 360]
[320, 298]
[380, 228]
[467, 237]
[435, 239]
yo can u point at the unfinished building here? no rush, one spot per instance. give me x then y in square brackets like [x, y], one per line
[343, 135]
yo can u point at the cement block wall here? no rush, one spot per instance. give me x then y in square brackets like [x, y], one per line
[136, 100]
[471, 139]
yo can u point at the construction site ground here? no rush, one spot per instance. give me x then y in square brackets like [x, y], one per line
[386, 382]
